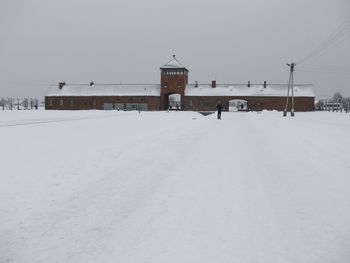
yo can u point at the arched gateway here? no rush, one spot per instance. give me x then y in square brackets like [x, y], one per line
[237, 105]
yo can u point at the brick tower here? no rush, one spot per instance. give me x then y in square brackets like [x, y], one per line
[173, 80]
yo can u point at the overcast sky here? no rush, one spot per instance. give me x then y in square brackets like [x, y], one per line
[113, 41]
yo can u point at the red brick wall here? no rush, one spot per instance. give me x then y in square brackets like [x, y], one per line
[254, 103]
[194, 103]
[96, 102]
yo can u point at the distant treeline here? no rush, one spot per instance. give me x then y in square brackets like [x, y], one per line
[20, 104]
[337, 103]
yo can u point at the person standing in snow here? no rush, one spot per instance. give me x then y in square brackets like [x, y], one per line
[219, 109]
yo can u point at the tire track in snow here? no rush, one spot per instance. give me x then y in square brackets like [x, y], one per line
[127, 193]
[45, 121]
[203, 206]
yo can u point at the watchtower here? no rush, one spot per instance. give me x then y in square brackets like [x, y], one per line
[173, 80]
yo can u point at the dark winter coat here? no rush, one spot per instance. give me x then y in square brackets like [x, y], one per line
[219, 107]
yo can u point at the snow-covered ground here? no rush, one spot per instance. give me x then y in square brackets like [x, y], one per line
[96, 186]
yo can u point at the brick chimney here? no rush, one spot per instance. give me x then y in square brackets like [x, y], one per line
[196, 85]
[61, 84]
[213, 83]
[265, 84]
[248, 84]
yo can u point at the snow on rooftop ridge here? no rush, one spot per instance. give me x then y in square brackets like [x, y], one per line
[271, 90]
[174, 63]
[105, 90]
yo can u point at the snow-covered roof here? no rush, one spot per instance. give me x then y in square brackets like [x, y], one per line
[105, 90]
[174, 63]
[271, 90]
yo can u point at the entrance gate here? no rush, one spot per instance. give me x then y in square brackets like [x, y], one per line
[237, 105]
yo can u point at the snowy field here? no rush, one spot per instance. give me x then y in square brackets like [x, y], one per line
[158, 187]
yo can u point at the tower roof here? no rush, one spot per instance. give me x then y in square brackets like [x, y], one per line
[173, 64]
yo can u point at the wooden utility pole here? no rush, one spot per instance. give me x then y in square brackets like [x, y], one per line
[290, 90]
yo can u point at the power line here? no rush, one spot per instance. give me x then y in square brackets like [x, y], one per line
[332, 40]
[322, 66]
[323, 71]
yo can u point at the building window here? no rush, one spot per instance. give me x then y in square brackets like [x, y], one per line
[61, 102]
[71, 102]
[50, 102]
[179, 85]
[165, 84]
[190, 103]
[204, 103]
[94, 102]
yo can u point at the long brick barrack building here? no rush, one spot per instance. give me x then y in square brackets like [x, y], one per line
[174, 91]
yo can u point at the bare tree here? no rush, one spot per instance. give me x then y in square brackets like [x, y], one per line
[337, 96]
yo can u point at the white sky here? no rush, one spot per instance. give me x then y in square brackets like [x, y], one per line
[113, 41]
